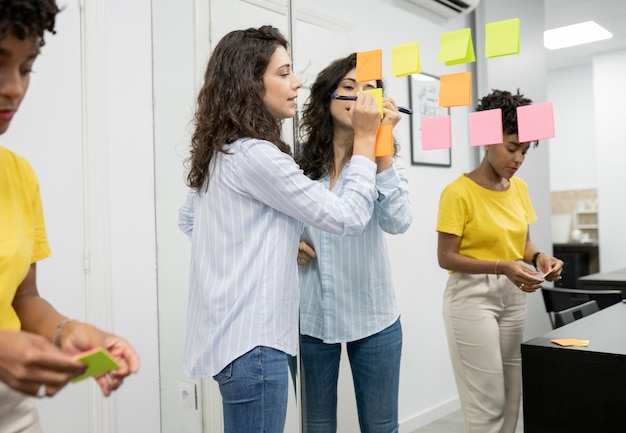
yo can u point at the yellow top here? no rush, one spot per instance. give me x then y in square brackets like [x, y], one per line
[492, 225]
[23, 237]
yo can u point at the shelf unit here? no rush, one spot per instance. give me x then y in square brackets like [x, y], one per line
[587, 222]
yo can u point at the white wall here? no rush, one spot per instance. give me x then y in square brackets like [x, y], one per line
[587, 151]
[573, 147]
[609, 93]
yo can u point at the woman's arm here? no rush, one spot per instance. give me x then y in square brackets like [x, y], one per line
[72, 337]
[393, 205]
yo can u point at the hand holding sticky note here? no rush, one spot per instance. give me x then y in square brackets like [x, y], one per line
[99, 361]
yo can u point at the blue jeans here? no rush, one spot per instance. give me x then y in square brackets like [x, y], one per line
[254, 392]
[375, 364]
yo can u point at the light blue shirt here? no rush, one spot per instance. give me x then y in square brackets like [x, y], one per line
[347, 292]
[244, 230]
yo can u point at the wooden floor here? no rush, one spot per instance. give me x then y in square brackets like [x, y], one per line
[453, 423]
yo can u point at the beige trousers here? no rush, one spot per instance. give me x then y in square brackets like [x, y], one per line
[18, 413]
[484, 318]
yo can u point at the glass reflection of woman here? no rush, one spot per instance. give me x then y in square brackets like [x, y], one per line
[347, 294]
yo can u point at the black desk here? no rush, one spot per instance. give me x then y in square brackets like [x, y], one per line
[605, 280]
[577, 389]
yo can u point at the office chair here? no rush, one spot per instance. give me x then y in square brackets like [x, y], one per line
[574, 313]
[559, 299]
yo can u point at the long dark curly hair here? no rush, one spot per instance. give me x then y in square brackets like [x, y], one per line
[508, 103]
[315, 155]
[230, 104]
[28, 18]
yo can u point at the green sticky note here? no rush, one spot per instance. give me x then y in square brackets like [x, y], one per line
[99, 361]
[456, 47]
[502, 38]
[405, 59]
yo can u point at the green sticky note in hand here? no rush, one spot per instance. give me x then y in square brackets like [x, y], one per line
[99, 361]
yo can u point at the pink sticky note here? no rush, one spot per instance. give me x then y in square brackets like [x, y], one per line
[436, 133]
[485, 127]
[535, 122]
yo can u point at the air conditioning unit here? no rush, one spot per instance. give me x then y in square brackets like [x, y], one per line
[447, 8]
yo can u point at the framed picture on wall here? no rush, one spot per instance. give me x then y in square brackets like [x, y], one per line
[424, 101]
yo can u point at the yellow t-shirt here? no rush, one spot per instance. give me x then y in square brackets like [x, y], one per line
[23, 237]
[492, 225]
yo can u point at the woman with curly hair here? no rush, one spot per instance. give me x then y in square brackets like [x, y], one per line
[483, 238]
[245, 212]
[347, 292]
[37, 343]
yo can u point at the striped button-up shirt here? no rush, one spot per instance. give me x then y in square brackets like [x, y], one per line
[244, 230]
[347, 292]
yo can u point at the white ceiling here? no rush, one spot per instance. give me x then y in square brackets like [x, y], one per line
[610, 14]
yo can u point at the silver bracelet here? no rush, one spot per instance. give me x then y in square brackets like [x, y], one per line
[56, 339]
[496, 270]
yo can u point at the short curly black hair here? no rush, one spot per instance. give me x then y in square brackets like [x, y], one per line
[508, 103]
[28, 18]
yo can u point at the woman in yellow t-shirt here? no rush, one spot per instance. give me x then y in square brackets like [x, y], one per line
[483, 237]
[37, 343]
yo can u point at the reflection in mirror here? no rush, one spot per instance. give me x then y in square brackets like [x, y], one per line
[344, 307]
[346, 287]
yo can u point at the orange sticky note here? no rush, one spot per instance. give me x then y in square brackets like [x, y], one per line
[99, 361]
[369, 65]
[436, 133]
[456, 47]
[535, 122]
[455, 89]
[571, 342]
[485, 127]
[405, 59]
[384, 141]
[502, 38]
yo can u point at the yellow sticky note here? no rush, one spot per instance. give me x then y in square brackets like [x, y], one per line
[378, 95]
[575, 342]
[405, 60]
[502, 38]
[99, 361]
[369, 65]
[455, 89]
[384, 141]
[456, 47]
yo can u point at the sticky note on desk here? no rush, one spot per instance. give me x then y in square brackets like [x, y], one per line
[571, 342]
[99, 361]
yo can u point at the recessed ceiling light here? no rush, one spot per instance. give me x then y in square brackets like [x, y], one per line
[576, 34]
